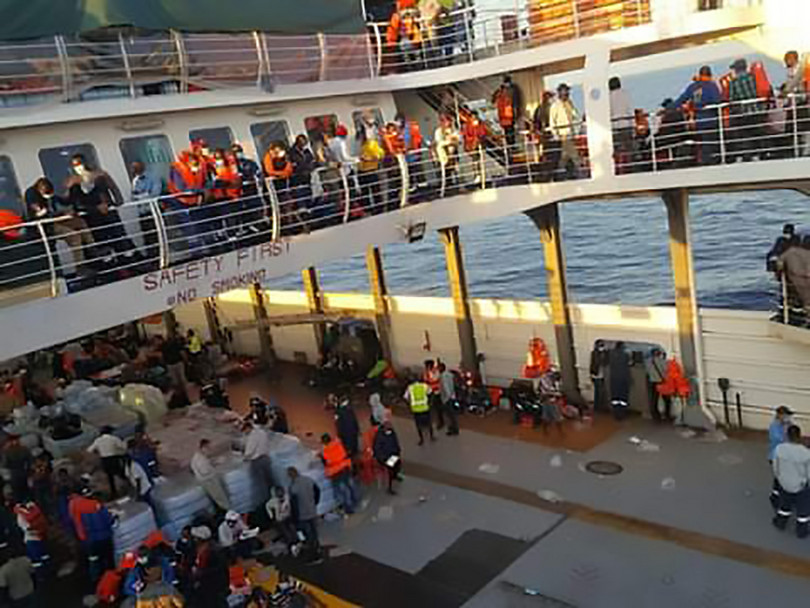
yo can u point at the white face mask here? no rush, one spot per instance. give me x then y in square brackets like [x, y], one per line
[206, 151]
[47, 197]
[79, 169]
[220, 163]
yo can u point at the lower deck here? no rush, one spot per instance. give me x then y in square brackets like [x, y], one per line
[686, 524]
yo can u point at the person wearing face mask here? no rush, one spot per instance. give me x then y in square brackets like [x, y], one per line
[94, 193]
[250, 207]
[42, 204]
[412, 142]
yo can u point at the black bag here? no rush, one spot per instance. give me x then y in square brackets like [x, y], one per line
[213, 396]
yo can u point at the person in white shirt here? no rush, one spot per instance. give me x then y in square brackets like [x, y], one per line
[235, 536]
[564, 124]
[207, 475]
[257, 453]
[110, 449]
[139, 480]
[447, 141]
[279, 510]
[791, 466]
[622, 118]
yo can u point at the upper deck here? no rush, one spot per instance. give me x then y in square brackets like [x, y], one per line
[112, 74]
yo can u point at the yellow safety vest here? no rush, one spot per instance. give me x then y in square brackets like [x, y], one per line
[194, 345]
[418, 397]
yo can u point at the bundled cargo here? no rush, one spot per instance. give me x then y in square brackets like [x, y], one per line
[85, 399]
[123, 421]
[179, 502]
[245, 492]
[60, 448]
[134, 522]
[146, 401]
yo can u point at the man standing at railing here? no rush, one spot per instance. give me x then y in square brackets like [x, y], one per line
[94, 192]
[705, 97]
[508, 104]
[622, 123]
[744, 113]
[796, 88]
[42, 204]
[564, 122]
[144, 189]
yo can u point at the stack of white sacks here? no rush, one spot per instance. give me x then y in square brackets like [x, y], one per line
[134, 522]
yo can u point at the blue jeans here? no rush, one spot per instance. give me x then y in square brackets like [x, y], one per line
[344, 487]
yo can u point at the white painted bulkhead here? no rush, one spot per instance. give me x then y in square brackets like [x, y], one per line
[766, 370]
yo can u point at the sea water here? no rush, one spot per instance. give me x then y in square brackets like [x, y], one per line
[617, 252]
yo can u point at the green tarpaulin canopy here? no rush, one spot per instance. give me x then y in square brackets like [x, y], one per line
[37, 18]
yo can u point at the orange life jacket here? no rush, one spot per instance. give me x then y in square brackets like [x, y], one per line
[277, 167]
[675, 384]
[335, 458]
[764, 89]
[474, 131]
[538, 361]
[7, 220]
[183, 179]
[228, 174]
[506, 108]
[393, 141]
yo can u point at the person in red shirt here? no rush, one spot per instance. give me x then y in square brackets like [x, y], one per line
[432, 377]
[473, 133]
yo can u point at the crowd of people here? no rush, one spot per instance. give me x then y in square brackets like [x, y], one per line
[739, 116]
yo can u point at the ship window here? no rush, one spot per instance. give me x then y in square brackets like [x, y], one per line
[358, 115]
[318, 126]
[154, 151]
[56, 163]
[10, 197]
[266, 133]
[215, 137]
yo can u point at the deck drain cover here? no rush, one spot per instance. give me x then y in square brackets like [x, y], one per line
[604, 467]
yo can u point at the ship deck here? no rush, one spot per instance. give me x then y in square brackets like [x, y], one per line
[462, 534]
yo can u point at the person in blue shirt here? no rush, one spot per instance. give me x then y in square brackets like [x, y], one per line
[777, 432]
[705, 97]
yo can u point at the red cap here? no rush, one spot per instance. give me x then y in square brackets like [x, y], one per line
[341, 131]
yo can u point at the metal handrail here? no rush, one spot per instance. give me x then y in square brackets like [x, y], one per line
[463, 43]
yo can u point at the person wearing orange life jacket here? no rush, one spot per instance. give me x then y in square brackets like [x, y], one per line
[188, 182]
[669, 382]
[404, 38]
[508, 103]
[93, 524]
[226, 191]
[338, 469]
[473, 133]
[279, 170]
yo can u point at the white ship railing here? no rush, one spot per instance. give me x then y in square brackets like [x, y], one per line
[113, 64]
[167, 232]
